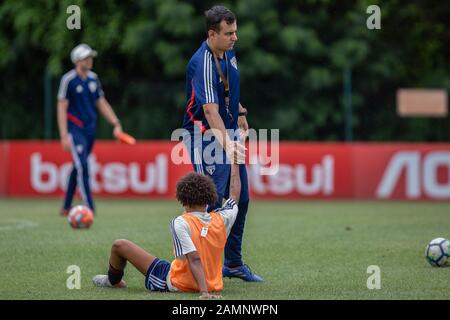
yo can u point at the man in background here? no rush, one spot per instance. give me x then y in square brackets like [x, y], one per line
[80, 95]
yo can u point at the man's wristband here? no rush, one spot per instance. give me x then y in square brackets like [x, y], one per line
[244, 113]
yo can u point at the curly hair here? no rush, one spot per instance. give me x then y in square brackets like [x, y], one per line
[195, 189]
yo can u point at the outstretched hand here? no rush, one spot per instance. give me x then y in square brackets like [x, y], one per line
[236, 151]
[65, 143]
[243, 128]
[117, 130]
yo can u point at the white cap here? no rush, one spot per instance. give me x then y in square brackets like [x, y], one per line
[82, 51]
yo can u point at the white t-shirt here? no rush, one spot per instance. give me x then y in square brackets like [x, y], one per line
[181, 233]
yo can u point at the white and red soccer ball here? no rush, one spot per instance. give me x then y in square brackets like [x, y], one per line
[80, 217]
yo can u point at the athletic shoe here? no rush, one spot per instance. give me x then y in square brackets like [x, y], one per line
[101, 280]
[243, 272]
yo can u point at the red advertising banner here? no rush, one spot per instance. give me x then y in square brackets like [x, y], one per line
[4, 157]
[37, 169]
[305, 171]
[312, 171]
[402, 171]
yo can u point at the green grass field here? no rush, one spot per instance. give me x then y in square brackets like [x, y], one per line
[305, 250]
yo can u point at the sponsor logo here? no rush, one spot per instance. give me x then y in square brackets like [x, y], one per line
[292, 179]
[421, 173]
[110, 177]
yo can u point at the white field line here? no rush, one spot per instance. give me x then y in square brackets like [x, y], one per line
[18, 225]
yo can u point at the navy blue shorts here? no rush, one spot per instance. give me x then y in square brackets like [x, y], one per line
[220, 173]
[155, 278]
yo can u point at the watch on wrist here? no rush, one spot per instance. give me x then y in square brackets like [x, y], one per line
[244, 113]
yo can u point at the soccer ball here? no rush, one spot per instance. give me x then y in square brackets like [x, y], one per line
[436, 252]
[80, 217]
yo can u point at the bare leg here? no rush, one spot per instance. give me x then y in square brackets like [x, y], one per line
[124, 250]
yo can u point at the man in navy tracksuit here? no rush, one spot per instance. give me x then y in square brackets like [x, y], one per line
[212, 90]
[80, 95]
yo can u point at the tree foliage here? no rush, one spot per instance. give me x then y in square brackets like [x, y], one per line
[291, 57]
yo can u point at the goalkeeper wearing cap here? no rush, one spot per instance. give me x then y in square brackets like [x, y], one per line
[80, 95]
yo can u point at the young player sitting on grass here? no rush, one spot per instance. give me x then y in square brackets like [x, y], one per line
[199, 239]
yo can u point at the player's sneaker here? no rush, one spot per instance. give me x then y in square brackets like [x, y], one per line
[101, 280]
[64, 212]
[243, 272]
